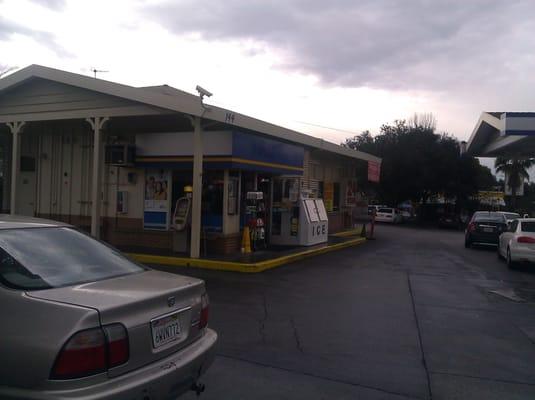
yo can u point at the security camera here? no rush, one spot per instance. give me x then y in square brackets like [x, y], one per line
[203, 92]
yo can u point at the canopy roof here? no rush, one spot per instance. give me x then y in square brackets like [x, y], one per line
[174, 100]
[509, 134]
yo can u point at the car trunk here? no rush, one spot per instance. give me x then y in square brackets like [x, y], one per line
[144, 303]
[526, 241]
[490, 228]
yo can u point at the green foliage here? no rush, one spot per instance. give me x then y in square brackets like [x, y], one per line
[419, 163]
[517, 172]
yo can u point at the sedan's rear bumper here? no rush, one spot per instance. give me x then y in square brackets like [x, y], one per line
[164, 379]
[487, 238]
[520, 254]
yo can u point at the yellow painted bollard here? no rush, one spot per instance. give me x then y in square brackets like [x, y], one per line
[246, 241]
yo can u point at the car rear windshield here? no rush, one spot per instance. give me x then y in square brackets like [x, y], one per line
[511, 215]
[42, 258]
[385, 210]
[489, 216]
[528, 227]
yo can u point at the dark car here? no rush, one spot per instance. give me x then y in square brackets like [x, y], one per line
[451, 221]
[485, 227]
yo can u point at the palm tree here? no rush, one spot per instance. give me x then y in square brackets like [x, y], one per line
[516, 172]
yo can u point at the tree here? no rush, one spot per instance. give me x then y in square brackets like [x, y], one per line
[418, 163]
[516, 172]
[425, 121]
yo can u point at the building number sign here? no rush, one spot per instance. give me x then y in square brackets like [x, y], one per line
[229, 117]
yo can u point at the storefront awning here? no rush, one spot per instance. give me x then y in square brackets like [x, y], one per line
[222, 149]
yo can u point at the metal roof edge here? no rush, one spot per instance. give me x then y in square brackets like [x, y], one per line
[178, 101]
[484, 117]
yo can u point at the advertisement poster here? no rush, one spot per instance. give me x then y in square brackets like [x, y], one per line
[157, 199]
[374, 171]
[328, 196]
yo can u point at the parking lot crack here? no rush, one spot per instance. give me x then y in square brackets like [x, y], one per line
[424, 362]
[296, 336]
[483, 378]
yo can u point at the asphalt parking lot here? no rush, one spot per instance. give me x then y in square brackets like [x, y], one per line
[411, 315]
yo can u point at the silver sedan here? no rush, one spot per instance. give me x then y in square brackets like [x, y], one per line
[79, 320]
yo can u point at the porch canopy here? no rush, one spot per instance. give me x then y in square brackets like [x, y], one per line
[37, 96]
[509, 134]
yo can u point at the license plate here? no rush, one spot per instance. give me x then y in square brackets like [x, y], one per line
[488, 230]
[165, 330]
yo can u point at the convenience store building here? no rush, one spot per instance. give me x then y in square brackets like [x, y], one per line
[114, 159]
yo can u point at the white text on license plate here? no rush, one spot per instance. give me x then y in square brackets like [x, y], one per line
[165, 330]
[488, 229]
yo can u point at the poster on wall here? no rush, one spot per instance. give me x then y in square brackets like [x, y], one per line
[157, 202]
[328, 196]
[374, 171]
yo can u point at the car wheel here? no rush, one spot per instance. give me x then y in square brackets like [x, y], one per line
[498, 253]
[467, 243]
[510, 263]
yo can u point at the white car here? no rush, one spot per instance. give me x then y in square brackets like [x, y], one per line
[517, 243]
[510, 216]
[388, 214]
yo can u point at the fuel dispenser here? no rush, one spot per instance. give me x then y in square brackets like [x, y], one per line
[182, 222]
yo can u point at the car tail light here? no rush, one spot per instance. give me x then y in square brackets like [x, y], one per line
[205, 304]
[92, 351]
[83, 354]
[525, 239]
[471, 227]
[118, 349]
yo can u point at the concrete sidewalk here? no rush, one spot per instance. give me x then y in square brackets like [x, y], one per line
[257, 261]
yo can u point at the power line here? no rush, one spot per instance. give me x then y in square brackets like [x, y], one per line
[327, 127]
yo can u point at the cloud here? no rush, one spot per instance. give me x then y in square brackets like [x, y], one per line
[53, 4]
[389, 44]
[9, 28]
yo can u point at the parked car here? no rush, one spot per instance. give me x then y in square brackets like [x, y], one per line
[373, 208]
[406, 215]
[510, 216]
[450, 221]
[80, 320]
[388, 215]
[517, 244]
[485, 227]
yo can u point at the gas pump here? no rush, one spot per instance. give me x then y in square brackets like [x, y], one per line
[182, 222]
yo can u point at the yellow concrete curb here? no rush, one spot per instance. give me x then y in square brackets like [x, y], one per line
[352, 232]
[237, 266]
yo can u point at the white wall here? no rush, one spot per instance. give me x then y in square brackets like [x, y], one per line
[63, 176]
[181, 143]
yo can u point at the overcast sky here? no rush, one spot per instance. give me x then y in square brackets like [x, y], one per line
[344, 64]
